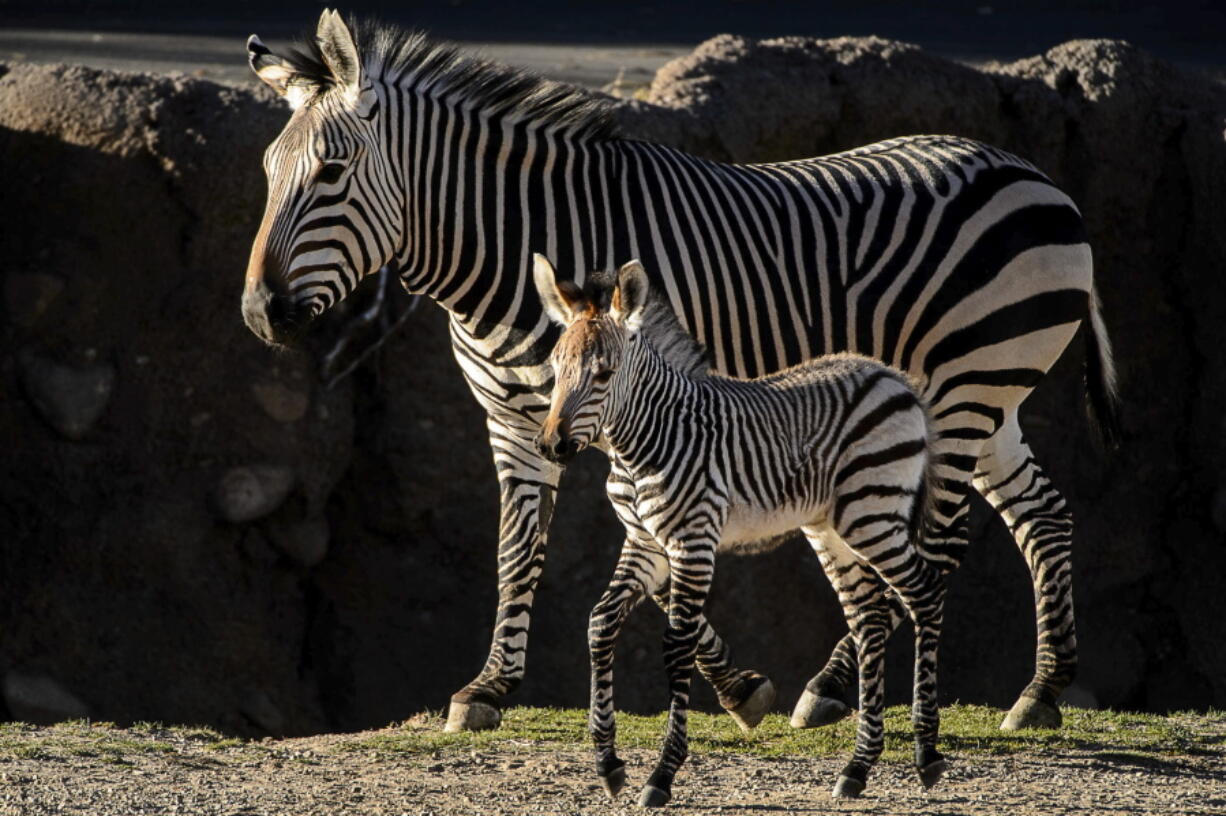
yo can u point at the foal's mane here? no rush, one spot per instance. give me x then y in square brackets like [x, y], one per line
[411, 59]
[661, 328]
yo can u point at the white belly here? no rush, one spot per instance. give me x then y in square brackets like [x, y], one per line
[751, 529]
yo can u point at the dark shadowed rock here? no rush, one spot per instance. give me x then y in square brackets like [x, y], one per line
[69, 398]
[41, 700]
[303, 542]
[280, 402]
[27, 295]
[248, 493]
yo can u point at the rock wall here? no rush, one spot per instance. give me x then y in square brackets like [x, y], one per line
[194, 529]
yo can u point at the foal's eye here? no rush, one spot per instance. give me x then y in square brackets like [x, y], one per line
[602, 376]
[330, 173]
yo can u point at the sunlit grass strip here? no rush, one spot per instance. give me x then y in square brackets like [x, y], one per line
[965, 730]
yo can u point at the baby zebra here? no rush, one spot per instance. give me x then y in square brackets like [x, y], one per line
[837, 446]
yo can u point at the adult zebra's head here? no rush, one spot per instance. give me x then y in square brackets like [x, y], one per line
[598, 321]
[325, 223]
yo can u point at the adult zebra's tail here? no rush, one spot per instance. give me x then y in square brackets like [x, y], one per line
[1102, 399]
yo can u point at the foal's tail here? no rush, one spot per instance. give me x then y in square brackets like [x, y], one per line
[1102, 397]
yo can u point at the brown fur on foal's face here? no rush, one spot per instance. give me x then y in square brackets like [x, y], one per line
[584, 361]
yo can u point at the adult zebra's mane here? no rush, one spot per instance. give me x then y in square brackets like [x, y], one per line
[413, 60]
[661, 328]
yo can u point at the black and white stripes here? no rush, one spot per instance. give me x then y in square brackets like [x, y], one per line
[837, 446]
[953, 261]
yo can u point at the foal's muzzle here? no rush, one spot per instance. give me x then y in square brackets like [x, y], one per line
[556, 448]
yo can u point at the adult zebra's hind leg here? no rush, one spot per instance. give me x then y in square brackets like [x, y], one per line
[1038, 517]
[821, 703]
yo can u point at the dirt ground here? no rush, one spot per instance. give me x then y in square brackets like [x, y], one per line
[166, 773]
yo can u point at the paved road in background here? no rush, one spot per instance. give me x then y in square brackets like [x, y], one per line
[589, 43]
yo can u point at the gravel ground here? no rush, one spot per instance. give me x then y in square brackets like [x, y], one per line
[152, 771]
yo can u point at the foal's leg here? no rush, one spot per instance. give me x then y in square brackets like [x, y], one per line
[884, 540]
[821, 703]
[691, 563]
[745, 694]
[863, 597]
[641, 569]
[921, 587]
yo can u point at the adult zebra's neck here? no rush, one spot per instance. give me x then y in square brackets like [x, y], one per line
[485, 191]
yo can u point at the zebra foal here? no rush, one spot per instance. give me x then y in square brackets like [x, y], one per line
[837, 446]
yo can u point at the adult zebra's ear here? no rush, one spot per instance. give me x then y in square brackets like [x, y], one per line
[563, 301]
[279, 74]
[630, 295]
[340, 53]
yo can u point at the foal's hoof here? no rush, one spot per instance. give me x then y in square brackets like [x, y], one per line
[1028, 712]
[472, 716]
[754, 707]
[654, 797]
[813, 711]
[931, 773]
[847, 788]
[614, 779]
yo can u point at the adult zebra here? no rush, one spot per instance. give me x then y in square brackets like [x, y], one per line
[951, 260]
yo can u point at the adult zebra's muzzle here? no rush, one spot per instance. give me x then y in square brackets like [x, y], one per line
[270, 314]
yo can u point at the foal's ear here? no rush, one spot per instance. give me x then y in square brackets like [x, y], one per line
[630, 295]
[278, 74]
[563, 301]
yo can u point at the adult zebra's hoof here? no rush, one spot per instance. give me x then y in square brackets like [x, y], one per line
[654, 797]
[614, 780]
[814, 711]
[847, 788]
[931, 773]
[754, 707]
[472, 716]
[1028, 712]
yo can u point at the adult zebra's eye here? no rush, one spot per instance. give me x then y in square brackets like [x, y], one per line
[330, 173]
[601, 377]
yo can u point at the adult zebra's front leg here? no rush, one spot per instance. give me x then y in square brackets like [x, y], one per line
[528, 484]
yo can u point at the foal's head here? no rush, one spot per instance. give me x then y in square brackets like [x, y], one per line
[598, 322]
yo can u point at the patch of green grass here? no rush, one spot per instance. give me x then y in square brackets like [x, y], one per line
[79, 738]
[223, 744]
[965, 730]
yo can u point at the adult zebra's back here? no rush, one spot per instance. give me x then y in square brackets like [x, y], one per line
[951, 260]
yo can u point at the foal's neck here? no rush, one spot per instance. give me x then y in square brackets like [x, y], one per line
[652, 395]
